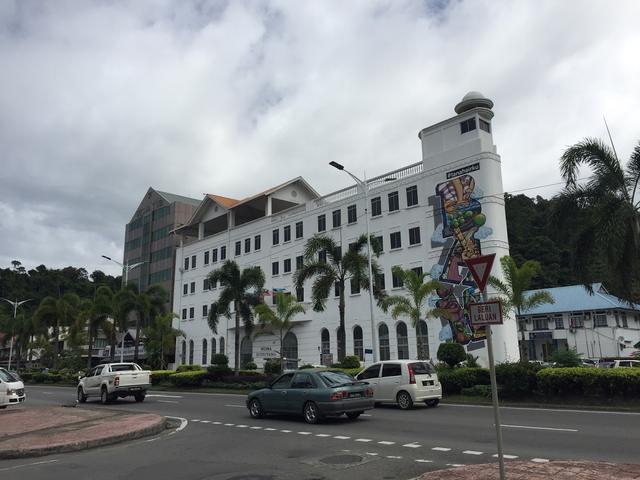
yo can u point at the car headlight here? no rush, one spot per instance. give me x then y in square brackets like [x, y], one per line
[10, 391]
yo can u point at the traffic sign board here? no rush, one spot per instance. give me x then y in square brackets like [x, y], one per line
[486, 313]
[480, 268]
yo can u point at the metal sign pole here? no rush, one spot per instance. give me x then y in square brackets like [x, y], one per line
[494, 396]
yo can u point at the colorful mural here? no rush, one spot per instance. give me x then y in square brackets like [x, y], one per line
[459, 228]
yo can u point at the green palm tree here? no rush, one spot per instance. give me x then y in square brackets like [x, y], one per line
[124, 302]
[23, 328]
[242, 290]
[325, 262]
[148, 305]
[95, 313]
[160, 339]
[57, 313]
[279, 320]
[517, 280]
[608, 241]
[414, 304]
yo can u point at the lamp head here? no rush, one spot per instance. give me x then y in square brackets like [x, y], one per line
[336, 165]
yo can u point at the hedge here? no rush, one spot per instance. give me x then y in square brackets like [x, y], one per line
[160, 376]
[590, 382]
[453, 380]
[188, 379]
[238, 386]
[517, 379]
[189, 368]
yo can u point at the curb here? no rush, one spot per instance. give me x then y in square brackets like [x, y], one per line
[157, 427]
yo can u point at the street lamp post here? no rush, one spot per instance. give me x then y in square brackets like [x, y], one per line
[125, 267]
[365, 190]
[15, 305]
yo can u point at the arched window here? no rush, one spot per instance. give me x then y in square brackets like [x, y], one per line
[222, 345]
[403, 341]
[383, 336]
[325, 347]
[204, 351]
[183, 352]
[213, 348]
[358, 346]
[246, 351]
[290, 350]
[190, 352]
[422, 340]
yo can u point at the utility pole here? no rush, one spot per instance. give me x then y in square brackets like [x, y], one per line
[15, 305]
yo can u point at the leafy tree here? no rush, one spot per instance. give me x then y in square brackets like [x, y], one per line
[95, 313]
[451, 353]
[414, 304]
[279, 320]
[124, 302]
[325, 262]
[55, 313]
[160, 339]
[566, 357]
[148, 305]
[240, 289]
[609, 241]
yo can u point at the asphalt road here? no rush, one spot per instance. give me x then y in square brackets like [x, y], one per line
[221, 441]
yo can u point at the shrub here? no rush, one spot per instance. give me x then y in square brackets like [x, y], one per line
[590, 382]
[478, 391]
[272, 366]
[238, 386]
[245, 379]
[250, 366]
[220, 359]
[453, 380]
[189, 368]
[349, 371]
[306, 366]
[251, 373]
[566, 357]
[471, 361]
[216, 372]
[517, 379]
[451, 353]
[188, 379]
[160, 376]
[350, 361]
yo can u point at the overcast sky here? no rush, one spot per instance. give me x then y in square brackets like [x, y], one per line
[100, 100]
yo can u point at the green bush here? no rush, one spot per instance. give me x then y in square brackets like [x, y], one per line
[220, 359]
[566, 357]
[272, 366]
[350, 361]
[517, 379]
[478, 391]
[451, 353]
[160, 376]
[306, 366]
[188, 379]
[590, 382]
[471, 361]
[188, 368]
[251, 373]
[44, 377]
[216, 372]
[349, 371]
[238, 386]
[453, 380]
[250, 366]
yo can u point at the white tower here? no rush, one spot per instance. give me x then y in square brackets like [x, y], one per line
[464, 176]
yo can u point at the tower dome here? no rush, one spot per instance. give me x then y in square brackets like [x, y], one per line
[472, 100]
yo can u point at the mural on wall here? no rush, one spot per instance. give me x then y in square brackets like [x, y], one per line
[459, 229]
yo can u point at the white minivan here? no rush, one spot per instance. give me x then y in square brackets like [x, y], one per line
[404, 382]
[11, 389]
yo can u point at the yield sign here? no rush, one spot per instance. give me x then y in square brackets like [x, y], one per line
[480, 268]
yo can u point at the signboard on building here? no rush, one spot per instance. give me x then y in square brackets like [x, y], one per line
[486, 313]
[265, 353]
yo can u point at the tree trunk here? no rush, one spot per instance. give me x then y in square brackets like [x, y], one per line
[56, 351]
[418, 342]
[18, 348]
[113, 342]
[342, 344]
[237, 341]
[90, 349]
[137, 340]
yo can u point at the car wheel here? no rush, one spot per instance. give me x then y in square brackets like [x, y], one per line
[81, 396]
[353, 415]
[105, 398]
[255, 408]
[311, 413]
[140, 397]
[405, 402]
[433, 402]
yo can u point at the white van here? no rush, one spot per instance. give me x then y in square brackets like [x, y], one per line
[403, 382]
[11, 389]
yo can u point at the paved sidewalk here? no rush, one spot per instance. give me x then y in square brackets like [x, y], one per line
[36, 431]
[558, 470]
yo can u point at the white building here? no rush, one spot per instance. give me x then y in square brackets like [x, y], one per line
[431, 215]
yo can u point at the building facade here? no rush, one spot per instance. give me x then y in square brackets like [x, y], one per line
[597, 325]
[148, 239]
[430, 216]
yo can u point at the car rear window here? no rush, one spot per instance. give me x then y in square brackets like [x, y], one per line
[422, 368]
[123, 367]
[334, 379]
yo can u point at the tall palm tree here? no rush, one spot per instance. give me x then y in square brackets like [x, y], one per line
[413, 305]
[325, 261]
[124, 302]
[23, 328]
[279, 320]
[150, 304]
[517, 280]
[240, 289]
[160, 338]
[96, 313]
[57, 313]
[610, 238]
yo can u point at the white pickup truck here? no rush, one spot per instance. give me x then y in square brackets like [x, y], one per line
[112, 380]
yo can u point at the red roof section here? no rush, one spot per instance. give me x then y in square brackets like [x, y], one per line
[226, 202]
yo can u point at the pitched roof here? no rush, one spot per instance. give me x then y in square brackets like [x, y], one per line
[278, 187]
[226, 202]
[172, 197]
[575, 298]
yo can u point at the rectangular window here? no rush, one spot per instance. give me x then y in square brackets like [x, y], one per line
[205, 310]
[376, 207]
[414, 236]
[559, 323]
[336, 289]
[394, 202]
[205, 284]
[275, 268]
[625, 323]
[206, 257]
[541, 323]
[484, 125]
[576, 321]
[186, 263]
[223, 252]
[417, 271]
[396, 240]
[185, 289]
[378, 243]
[355, 287]
[286, 265]
[238, 248]
[396, 280]
[352, 214]
[275, 237]
[412, 196]
[257, 240]
[300, 294]
[193, 261]
[322, 223]
[467, 125]
[380, 281]
[600, 320]
[214, 255]
[287, 233]
[193, 287]
[192, 312]
[299, 230]
[184, 313]
[299, 262]
[247, 245]
[322, 256]
[336, 215]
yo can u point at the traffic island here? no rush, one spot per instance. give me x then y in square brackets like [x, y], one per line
[558, 470]
[33, 432]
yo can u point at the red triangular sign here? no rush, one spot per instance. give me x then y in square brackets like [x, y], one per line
[480, 268]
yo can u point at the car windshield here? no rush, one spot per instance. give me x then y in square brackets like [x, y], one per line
[123, 367]
[422, 368]
[6, 376]
[335, 378]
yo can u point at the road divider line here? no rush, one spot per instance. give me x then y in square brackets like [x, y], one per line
[341, 437]
[455, 464]
[242, 426]
[394, 457]
[229, 424]
[553, 429]
[216, 423]
[540, 460]
[205, 421]
[166, 401]
[15, 467]
[508, 457]
[285, 431]
[472, 452]
[412, 445]
[163, 396]
[363, 440]
[269, 429]
[236, 406]
[420, 460]
[373, 454]
[441, 449]
[256, 428]
[304, 433]
[384, 442]
[183, 423]
[324, 435]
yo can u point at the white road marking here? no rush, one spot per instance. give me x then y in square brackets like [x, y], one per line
[152, 439]
[304, 433]
[341, 437]
[372, 454]
[563, 410]
[216, 423]
[504, 455]
[322, 435]
[366, 415]
[420, 460]
[455, 465]
[195, 420]
[236, 406]
[269, 429]
[441, 449]
[229, 424]
[540, 460]
[256, 428]
[183, 423]
[166, 401]
[47, 393]
[472, 452]
[242, 426]
[394, 457]
[27, 465]
[363, 440]
[285, 431]
[412, 445]
[205, 421]
[541, 428]
[384, 442]
[163, 396]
